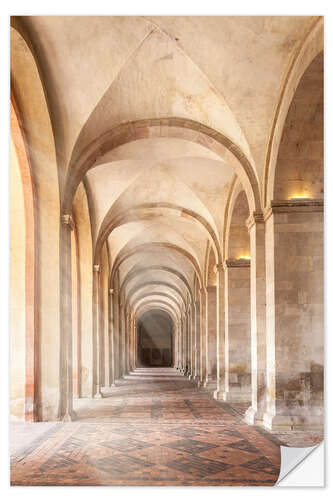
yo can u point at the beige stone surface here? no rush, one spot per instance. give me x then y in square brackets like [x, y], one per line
[177, 166]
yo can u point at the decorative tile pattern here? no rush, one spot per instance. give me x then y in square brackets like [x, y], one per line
[191, 446]
[154, 428]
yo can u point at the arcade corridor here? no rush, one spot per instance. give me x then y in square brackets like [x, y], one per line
[167, 247]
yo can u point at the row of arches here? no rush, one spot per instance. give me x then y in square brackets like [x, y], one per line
[235, 309]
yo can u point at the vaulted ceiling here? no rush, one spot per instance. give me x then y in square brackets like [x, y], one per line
[159, 199]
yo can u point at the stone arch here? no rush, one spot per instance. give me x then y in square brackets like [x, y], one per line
[150, 304]
[163, 127]
[31, 103]
[141, 270]
[155, 342]
[299, 172]
[109, 223]
[123, 255]
[155, 294]
[30, 278]
[237, 235]
[147, 307]
[172, 287]
[310, 47]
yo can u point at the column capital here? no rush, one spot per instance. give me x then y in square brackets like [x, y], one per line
[293, 205]
[67, 220]
[237, 263]
[254, 218]
[218, 267]
[97, 268]
[111, 291]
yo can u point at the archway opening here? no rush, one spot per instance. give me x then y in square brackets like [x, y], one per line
[155, 332]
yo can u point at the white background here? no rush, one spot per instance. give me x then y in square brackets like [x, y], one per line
[169, 7]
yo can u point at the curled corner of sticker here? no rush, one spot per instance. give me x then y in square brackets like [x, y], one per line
[292, 457]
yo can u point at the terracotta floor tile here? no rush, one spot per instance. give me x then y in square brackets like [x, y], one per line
[154, 428]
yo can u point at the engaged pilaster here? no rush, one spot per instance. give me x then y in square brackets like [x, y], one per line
[220, 319]
[237, 331]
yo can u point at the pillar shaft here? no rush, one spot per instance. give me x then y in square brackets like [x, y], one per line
[211, 338]
[192, 341]
[203, 337]
[121, 338]
[237, 331]
[97, 333]
[256, 228]
[112, 375]
[294, 255]
[184, 343]
[220, 321]
[65, 411]
[197, 342]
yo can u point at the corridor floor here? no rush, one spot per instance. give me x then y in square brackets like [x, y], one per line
[153, 428]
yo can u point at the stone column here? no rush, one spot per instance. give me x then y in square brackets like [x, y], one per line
[122, 337]
[295, 329]
[174, 354]
[135, 343]
[66, 412]
[192, 341]
[116, 340]
[256, 226]
[220, 340]
[237, 331]
[183, 370]
[127, 339]
[180, 344]
[97, 332]
[203, 337]
[132, 344]
[188, 343]
[101, 331]
[112, 339]
[211, 340]
[197, 342]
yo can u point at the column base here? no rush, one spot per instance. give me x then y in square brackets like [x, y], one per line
[237, 396]
[292, 422]
[98, 395]
[200, 383]
[69, 416]
[218, 395]
[210, 384]
[254, 416]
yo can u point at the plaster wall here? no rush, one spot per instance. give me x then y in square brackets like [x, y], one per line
[17, 290]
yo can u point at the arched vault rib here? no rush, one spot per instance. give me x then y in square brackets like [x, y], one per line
[162, 127]
[154, 283]
[146, 247]
[311, 45]
[141, 310]
[141, 270]
[157, 302]
[133, 214]
[152, 296]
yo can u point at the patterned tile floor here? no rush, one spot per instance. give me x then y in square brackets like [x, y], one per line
[153, 428]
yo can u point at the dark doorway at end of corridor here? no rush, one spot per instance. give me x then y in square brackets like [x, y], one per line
[155, 335]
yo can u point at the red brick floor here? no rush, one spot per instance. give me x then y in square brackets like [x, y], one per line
[153, 428]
